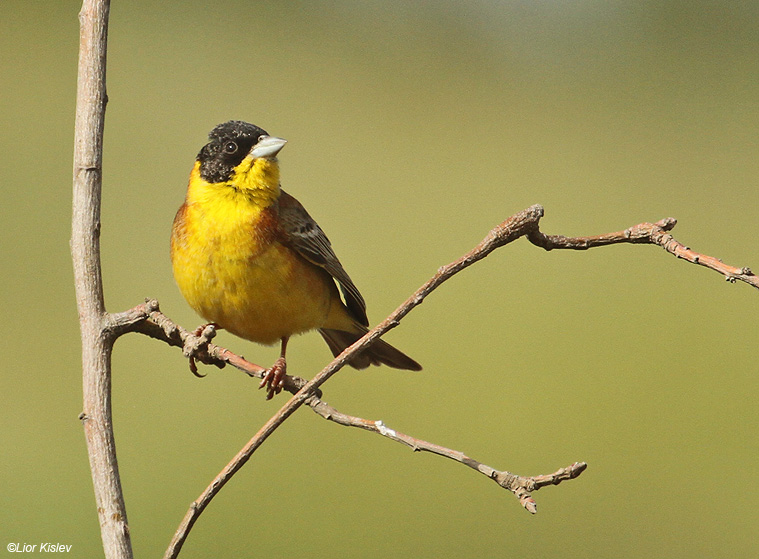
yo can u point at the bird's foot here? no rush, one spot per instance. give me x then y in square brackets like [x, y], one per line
[274, 378]
[203, 335]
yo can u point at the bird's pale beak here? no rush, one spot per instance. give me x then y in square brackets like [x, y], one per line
[267, 147]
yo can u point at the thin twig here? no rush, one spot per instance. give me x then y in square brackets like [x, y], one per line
[521, 486]
[649, 233]
[85, 252]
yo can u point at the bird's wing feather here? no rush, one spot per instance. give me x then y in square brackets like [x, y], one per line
[307, 238]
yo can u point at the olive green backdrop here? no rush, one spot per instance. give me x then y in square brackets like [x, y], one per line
[413, 129]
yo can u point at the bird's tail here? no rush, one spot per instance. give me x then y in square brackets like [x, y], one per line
[379, 353]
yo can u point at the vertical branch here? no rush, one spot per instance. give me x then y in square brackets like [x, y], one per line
[97, 342]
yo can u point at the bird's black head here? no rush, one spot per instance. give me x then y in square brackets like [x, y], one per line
[229, 143]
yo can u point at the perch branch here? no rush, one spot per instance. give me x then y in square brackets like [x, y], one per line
[148, 320]
[157, 325]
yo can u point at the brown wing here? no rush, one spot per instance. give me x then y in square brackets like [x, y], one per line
[307, 238]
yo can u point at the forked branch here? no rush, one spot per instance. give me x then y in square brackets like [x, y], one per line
[148, 320]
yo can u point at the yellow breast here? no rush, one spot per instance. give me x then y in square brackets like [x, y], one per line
[233, 270]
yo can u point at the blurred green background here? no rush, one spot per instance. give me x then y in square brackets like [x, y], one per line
[413, 129]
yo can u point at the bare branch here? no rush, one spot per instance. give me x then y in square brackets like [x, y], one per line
[148, 320]
[97, 345]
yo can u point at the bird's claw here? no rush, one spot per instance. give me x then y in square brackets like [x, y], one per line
[203, 336]
[274, 378]
[194, 368]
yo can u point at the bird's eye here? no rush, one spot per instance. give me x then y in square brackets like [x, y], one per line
[230, 147]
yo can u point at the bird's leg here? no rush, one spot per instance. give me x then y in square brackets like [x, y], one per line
[205, 336]
[274, 378]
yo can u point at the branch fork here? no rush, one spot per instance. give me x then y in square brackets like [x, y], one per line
[147, 319]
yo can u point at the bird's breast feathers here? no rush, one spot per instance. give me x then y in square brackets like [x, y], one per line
[232, 267]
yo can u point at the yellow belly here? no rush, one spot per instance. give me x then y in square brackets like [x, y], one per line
[260, 291]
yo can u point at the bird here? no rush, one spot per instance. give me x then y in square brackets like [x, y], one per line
[249, 258]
